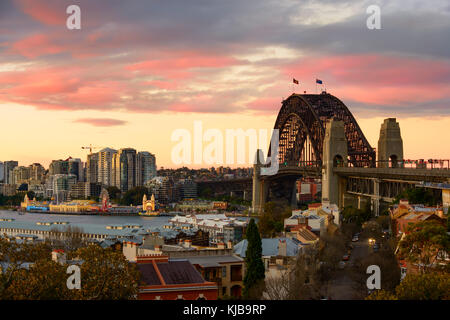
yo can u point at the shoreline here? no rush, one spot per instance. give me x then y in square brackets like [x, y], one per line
[102, 214]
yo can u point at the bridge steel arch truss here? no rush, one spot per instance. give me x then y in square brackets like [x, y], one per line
[301, 124]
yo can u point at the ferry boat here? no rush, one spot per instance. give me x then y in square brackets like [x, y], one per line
[149, 213]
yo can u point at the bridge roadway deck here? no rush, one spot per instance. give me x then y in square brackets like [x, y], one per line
[396, 174]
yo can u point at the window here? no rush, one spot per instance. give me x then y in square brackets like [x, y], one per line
[224, 291]
[224, 272]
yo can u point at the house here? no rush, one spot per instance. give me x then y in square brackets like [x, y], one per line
[220, 266]
[163, 278]
[275, 251]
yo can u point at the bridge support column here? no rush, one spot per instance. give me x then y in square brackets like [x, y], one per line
[258, 194]
[390, 144]
[335, 153]
[376, 198]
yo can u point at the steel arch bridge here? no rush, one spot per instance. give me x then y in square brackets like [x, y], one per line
[301, 124]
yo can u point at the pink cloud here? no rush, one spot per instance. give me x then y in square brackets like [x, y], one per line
[49, 12]
[36, 45]
[101, 122]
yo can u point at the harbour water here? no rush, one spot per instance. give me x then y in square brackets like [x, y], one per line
[83, 221]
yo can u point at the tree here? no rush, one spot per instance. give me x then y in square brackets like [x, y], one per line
[134, 196]
[300, 282]
[15, 255]
[425, 243]
[433, 286]
[255, 271]
[114, 193]
[358, 216]
[44, 280]
[69, 238]
[106, 274]
[419, 195]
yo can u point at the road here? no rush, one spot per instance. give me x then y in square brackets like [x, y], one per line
[343, 287]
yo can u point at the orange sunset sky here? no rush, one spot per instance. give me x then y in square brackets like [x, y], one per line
[138, 70]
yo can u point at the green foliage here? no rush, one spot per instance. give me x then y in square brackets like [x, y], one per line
[114, 193]
[425, 243]
[354, 215]
[254, 266]
[134, 196]
[271, 221]
[434, 286]
[419, 196]
[13, 200]
[105, 274]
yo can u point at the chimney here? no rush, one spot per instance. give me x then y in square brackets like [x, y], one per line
[229, 244]
[187, 243]
[221, 245]
[59, 256]
[282, 247]
[303, 222]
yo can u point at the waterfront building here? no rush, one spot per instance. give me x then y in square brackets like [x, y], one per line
[221, 229]
[8, 167]
[8, 189]
[92, 168]
[20, 175]
[188, 189]
[162, 188]
[124, 169]
[105, 166]
[73, 206]
[2, 171]
[37, 173]
[75, 167]
[59, 167]
[58, 186]
[146, 167]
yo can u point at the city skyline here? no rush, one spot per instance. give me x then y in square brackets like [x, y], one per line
[136, 72]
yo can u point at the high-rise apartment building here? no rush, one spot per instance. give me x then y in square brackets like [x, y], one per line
[125, 169]
[105, 168]
[8, 167]
[146, 167]
[2, 173]
[20, 175]
[59, 167]
[75, 167]
[37, 173]
[92, 168]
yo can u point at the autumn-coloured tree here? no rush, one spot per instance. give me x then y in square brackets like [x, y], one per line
[432, 286]
[425, 243]
[43, 280]
[105, 274]
[13, 256]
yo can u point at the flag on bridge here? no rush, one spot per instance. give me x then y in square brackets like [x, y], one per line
[295, 81]
[318, 81]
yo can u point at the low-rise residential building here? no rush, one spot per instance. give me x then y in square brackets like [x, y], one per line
[275, 251]
[165, 278]
[220, 228]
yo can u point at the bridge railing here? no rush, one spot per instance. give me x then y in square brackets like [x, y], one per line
[443, 164]
[301, 164]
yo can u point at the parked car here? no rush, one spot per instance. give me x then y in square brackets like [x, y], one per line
[355, 239]
[376, 247]
[346, 257]
[341, 264]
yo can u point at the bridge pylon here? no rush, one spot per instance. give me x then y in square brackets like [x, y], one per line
[335, 154]
[258, 194]
[390, 145]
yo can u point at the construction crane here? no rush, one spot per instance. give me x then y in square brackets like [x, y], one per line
[90, 147]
